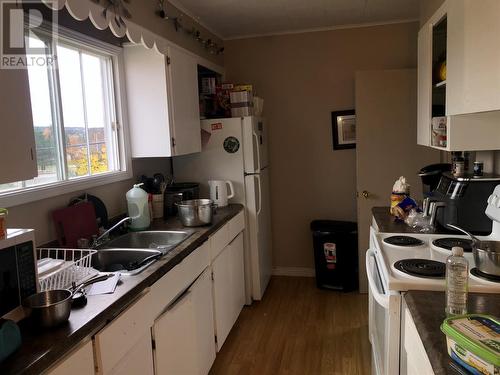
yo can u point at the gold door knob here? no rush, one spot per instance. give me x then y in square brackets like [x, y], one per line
[365, 194]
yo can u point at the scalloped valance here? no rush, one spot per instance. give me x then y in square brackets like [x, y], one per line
[83, 9]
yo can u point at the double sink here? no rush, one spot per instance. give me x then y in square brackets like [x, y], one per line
[132, 253]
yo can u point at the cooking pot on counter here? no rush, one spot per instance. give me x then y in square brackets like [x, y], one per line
[196, 212]
[486, 253]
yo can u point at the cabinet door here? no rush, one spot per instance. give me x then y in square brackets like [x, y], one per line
[223, 296]
[115, 341]
[229, 287]
[184, 334]
[147, 99]
[184, 102]
[17, 153]
[424, 87]
[238, 277]
[473, 56]
[80, 362]
[138, 360]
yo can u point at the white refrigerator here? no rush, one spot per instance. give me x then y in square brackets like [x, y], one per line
[235, 149]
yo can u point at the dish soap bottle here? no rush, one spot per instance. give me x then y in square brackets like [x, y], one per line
[457, 276]
[138, 208]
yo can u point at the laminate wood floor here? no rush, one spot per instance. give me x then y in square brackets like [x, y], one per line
[298, 329]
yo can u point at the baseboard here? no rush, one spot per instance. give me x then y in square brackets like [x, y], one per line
[294, 271]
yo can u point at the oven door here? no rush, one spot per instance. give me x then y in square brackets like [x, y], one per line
[384, 308]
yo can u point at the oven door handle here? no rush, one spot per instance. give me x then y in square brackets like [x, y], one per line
[381, 298]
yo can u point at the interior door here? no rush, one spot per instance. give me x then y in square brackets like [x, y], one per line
[184, 106]
[386, 144]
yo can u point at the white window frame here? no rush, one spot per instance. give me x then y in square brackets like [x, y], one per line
[36, 193]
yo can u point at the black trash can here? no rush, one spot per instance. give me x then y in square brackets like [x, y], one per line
[336, 254]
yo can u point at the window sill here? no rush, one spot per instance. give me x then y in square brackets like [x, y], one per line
[36, 193]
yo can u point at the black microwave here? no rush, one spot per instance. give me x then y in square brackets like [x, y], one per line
[18, 272]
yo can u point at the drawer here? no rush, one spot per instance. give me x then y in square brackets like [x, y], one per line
[218, 241]
[119, 337]
[236, 225]
[165, 290]
[80, 361]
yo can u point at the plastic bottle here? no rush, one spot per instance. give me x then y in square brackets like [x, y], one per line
[138, 208]
[457, 276]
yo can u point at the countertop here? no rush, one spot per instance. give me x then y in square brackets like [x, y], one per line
[387, 223]
[41, 349]
[427, 311]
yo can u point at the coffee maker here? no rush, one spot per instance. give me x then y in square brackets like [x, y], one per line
[462, 201]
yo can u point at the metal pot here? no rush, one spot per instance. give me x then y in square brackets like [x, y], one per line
[52, 307]
[486, 253]
[487, 257]
[196, 212]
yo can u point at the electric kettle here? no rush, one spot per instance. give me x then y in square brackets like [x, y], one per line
[221, 191]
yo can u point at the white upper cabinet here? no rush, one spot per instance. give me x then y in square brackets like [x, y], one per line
[473, 72]
[462, 34]
[185, 106]
[18, 152]
[162, 94]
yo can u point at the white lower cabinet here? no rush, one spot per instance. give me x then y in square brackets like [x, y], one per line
[417, 362]
[79, 362]
[172, 328]
[229, 288]
[183, 335]
[138, 360]
[127, 337]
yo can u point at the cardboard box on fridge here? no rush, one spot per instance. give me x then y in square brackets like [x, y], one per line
[241, 103]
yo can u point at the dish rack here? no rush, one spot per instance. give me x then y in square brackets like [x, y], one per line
[72, 266]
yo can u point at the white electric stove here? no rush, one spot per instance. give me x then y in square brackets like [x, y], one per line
[398, 262]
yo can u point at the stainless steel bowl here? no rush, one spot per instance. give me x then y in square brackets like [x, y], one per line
[487, 257]
[49, 308]
[196, 212]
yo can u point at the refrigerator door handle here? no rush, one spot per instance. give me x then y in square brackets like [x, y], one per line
[257, 176]
[256, 144]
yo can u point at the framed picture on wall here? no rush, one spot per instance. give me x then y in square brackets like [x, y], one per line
[344, 129]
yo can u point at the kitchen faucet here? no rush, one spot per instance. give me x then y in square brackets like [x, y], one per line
[98, 241]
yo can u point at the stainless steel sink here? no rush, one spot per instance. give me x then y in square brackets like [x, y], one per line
[163, 241]
[125, 261]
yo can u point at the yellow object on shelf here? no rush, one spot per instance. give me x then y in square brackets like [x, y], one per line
[3, 222]
[442, 71]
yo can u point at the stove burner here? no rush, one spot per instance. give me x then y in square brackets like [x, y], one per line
[485, 276]
[449, 242]
[422, 268]
[404, 241]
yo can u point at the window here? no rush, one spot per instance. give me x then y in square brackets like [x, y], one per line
[74, 114]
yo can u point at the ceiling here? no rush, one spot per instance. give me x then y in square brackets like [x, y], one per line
[242, 18]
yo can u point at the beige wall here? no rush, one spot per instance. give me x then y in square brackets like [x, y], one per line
[302, 78]
[37, 215]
